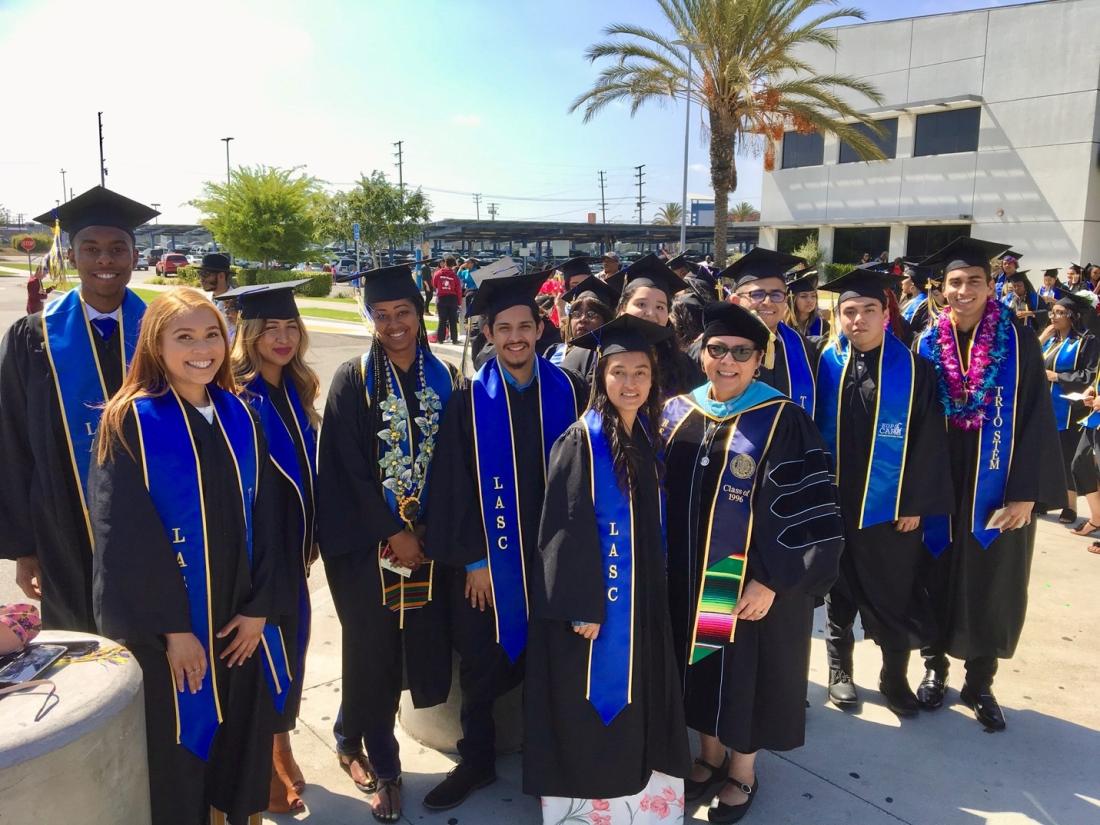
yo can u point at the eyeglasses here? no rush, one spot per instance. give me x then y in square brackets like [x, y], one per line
[1059, 313]
[740, 353]
[776, 296]
[589, 315]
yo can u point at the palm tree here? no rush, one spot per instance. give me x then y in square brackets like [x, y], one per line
[744, 211]
[739, 61]
[669, 214]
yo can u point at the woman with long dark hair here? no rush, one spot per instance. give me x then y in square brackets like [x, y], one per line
[802, 306]
[604, 724]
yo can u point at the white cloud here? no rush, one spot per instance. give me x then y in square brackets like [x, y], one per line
[470, 121]
[698, 167]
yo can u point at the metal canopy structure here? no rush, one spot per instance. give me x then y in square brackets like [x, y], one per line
[175, 230]
[530, 232]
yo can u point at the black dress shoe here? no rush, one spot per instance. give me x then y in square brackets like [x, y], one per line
[899, 697]
[985, 706]
[463, 780]
[697, 790]
[842, 692]
[931, 689]
[734, 813]
[1067, 516]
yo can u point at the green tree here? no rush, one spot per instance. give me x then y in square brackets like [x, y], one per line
[744, 211]
[669, 214]
[264, 214]
[810, 252]
[385, 215]
[747, 77]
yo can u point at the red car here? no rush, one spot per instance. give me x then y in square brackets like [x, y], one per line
[170, 263]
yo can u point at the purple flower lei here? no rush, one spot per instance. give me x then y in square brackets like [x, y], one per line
[964, 395]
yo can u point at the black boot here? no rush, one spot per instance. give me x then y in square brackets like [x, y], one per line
[893, 683]
[842, 692]
[933, 686]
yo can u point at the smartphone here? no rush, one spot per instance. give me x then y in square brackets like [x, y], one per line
[29, 663]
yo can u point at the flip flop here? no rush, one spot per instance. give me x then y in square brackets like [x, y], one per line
[1094, 548]
[348, 759]
[387, 786]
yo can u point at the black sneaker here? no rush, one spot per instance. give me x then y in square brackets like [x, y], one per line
[463, 780]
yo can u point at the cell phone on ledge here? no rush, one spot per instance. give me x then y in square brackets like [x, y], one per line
[28, 663]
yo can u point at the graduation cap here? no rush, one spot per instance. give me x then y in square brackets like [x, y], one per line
[918, 274]
[387, 283]
[652, 271]
[504, 268]
[266, 301]
[1010, 255]
[681, 262]
[99, 206]
[575, 266]
[215, 262]
[964, 252]
[498, 294]
[723, 318]
[862, 282]
[804, 281]
[617, 281]
[1018, 275]
[760, 263]
[592, 287]
[624, 334]
[1079, 302]
[1050, 273]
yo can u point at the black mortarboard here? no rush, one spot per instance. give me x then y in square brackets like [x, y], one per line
[862, 282]
[99, 206]
[760, 263]
[1010, 254]
[624, 334]
[215, 262]
[681, 262]
[387, 283]
[918, 274]
[804, 281]
[592, 287]
[575, 266]
[1018, 275]
[617, 281]
[266, 301]
[652, 271]
[1077, 302]
[498, 294]
[1050, 273]
[964, 252]
[722, 318]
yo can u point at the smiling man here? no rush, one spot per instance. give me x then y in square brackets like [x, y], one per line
[1001, 426]
[57, 368]
[879, 415]
[485, 504]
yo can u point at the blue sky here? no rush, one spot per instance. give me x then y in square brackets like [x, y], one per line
[478, 90]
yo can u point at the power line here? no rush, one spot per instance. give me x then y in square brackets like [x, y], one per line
[603, 199]
[640, 175]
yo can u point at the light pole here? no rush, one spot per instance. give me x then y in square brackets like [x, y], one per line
[226, 141]
[687, 129]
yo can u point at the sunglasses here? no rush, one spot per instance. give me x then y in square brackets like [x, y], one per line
[776, 296]
[740, 353]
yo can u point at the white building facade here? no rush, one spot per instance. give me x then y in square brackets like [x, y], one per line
[991, 127]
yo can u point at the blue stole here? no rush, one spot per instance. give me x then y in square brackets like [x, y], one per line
[911, 308]
[78, 377]
[800, 376]
[816, 327]
[611, 655]
[498, 491]
[283, 449]
[1065, 360]
[999, 283]
[890, 433]
[174, 480]
[557, 352]
[1053, 291]
[995, 441]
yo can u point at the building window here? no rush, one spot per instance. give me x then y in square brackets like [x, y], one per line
[922, 241]
[887, 142]
[850, 244]
[943, 133]
[803, 150]
[788, 240]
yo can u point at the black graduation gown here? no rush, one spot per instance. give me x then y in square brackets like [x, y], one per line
[752, 693]
[1077, 380]
[290, 574]
[679, 372]
[580, 361]
[980, 595]
[139, 596]
[40, 509]
[353, 518]
[882, 570]
[569, 750]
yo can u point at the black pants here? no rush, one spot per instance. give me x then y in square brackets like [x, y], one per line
[1068, 440]
[840, 641]
[448, 317]
[980, 670]
[1085, 477]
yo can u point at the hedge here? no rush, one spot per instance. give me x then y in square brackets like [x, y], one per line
[836, 270]
[319, 286]
[42, 242]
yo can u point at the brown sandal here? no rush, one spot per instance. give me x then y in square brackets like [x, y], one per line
[1095, 548]
[281, 798]
[387, 787]
[1086, 529]
[283, 761]
[349, 759]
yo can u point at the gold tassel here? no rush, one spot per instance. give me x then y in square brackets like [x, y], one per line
[769, 353]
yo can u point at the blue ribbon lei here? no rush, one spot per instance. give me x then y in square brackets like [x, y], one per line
[890, 433]
[611, 655]
[1065, 360]
[498, 491]
[800, 376]
[78, 376]
[174, 479]
[911, 308]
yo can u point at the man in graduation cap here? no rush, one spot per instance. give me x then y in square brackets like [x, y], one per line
[1000, 433]
[879, 413]
[485, 504]
[375, 467]
[57, 369]
[759, 286]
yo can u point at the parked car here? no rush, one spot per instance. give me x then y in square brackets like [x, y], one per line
[142, 263]
[170, 263]
[343, 266]
[194, 259]
[155, 254]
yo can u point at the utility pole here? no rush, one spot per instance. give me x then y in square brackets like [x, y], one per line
[477, 204]
[226, 141]
[639, 174]
[493, 207]
[102, 163]
[156, 218]
[64, 188]
[603, 199]
[400, 168]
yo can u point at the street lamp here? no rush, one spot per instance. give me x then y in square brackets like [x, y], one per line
[687, 129]
[226, 140]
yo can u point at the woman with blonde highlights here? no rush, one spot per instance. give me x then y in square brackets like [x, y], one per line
[183, 572]
[268, 363]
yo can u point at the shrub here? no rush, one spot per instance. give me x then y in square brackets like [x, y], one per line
[42, 241]
[836, 270]
[188, 275]
[319, 286]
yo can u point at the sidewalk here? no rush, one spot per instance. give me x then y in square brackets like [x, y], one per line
[869, 768]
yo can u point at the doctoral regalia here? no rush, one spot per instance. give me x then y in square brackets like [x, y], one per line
[880, 408]
[759, 465]
[602, 716]
[47, 443]
[793, 368]
[183, 523]
[979, 581]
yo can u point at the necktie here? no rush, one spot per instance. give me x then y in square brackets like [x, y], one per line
[105, 327]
